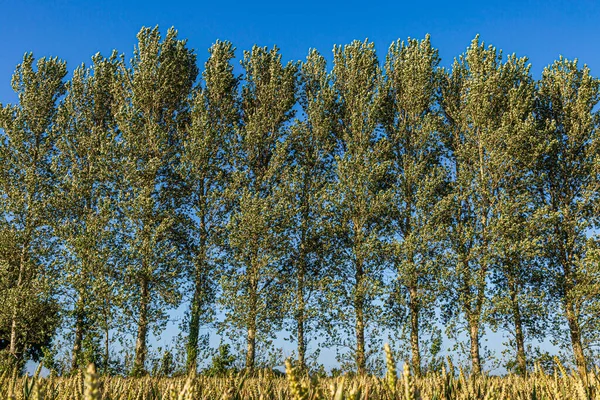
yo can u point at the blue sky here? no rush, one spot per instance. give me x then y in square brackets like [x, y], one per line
[75, 30]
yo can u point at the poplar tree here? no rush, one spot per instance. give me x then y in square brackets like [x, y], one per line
[214, 117]
[518, 296]
[84, 202]
[412, 124]
[39, 316]
[358, 200]
[485, 147]
[568, 188]
[311, 144]
[26, 149]
[152, 113]
[253, 293]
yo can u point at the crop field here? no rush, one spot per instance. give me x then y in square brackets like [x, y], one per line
[264, 385]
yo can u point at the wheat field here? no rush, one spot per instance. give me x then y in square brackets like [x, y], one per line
[449, 384]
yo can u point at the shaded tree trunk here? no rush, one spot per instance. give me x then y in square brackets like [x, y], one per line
[200, 286]
[106, 350]
[251, 335]
[571, 315]
[301, 276]
[575, 333]
[194, 328]
[140, 344]
[106, 320]
[13, 326]
[300, 315]
[414, 331]
[361, 360]
[517, 320]
[77, 343]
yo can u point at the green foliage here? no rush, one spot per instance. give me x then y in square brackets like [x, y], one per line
[152, 112]
[222, 363]
[488, 106]
[335, 207]
[28, 316]
[567, 191]
[417, 178]
[205, 164]
[83, 200]
[357, 200]
[308, 176]
[254, 297]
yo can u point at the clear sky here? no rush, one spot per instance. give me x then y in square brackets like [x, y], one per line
[75, 30]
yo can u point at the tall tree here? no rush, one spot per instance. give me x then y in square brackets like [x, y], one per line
[252, 289]
[152, 112]
[84, 198]
[486, 141]
[412, 125]
[517, 286]
[568, 189]
[39, 311]
[358, 198]
[214, 118]
[26, 148]
[311, 144]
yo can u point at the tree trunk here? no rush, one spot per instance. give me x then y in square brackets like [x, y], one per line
[140, 344]
[414, 331]
[575, 333]
[251, 347]
[106, 349]
[300, 333]
[194, 328]
[79, 320]
[474, 336]
[13, 326]
[106, 312]
[251, 338]
[301, 344]
[200, 288]
[13, 336]
[361, 361]
[516, 310]
[300, 313]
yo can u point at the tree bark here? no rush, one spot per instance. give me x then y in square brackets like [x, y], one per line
[474, 346]
[13, 326]
[519, 337]
[361, 361]
[106, 350]
[575, 333]
[106, 320]
[414, 331]
[199, 283]
[194, 328]
[140, 344]
[301, 275]
[251, 336]
[300, 316]
[79, 321]
[251, 347]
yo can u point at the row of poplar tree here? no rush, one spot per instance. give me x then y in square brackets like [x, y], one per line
[338, 203]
